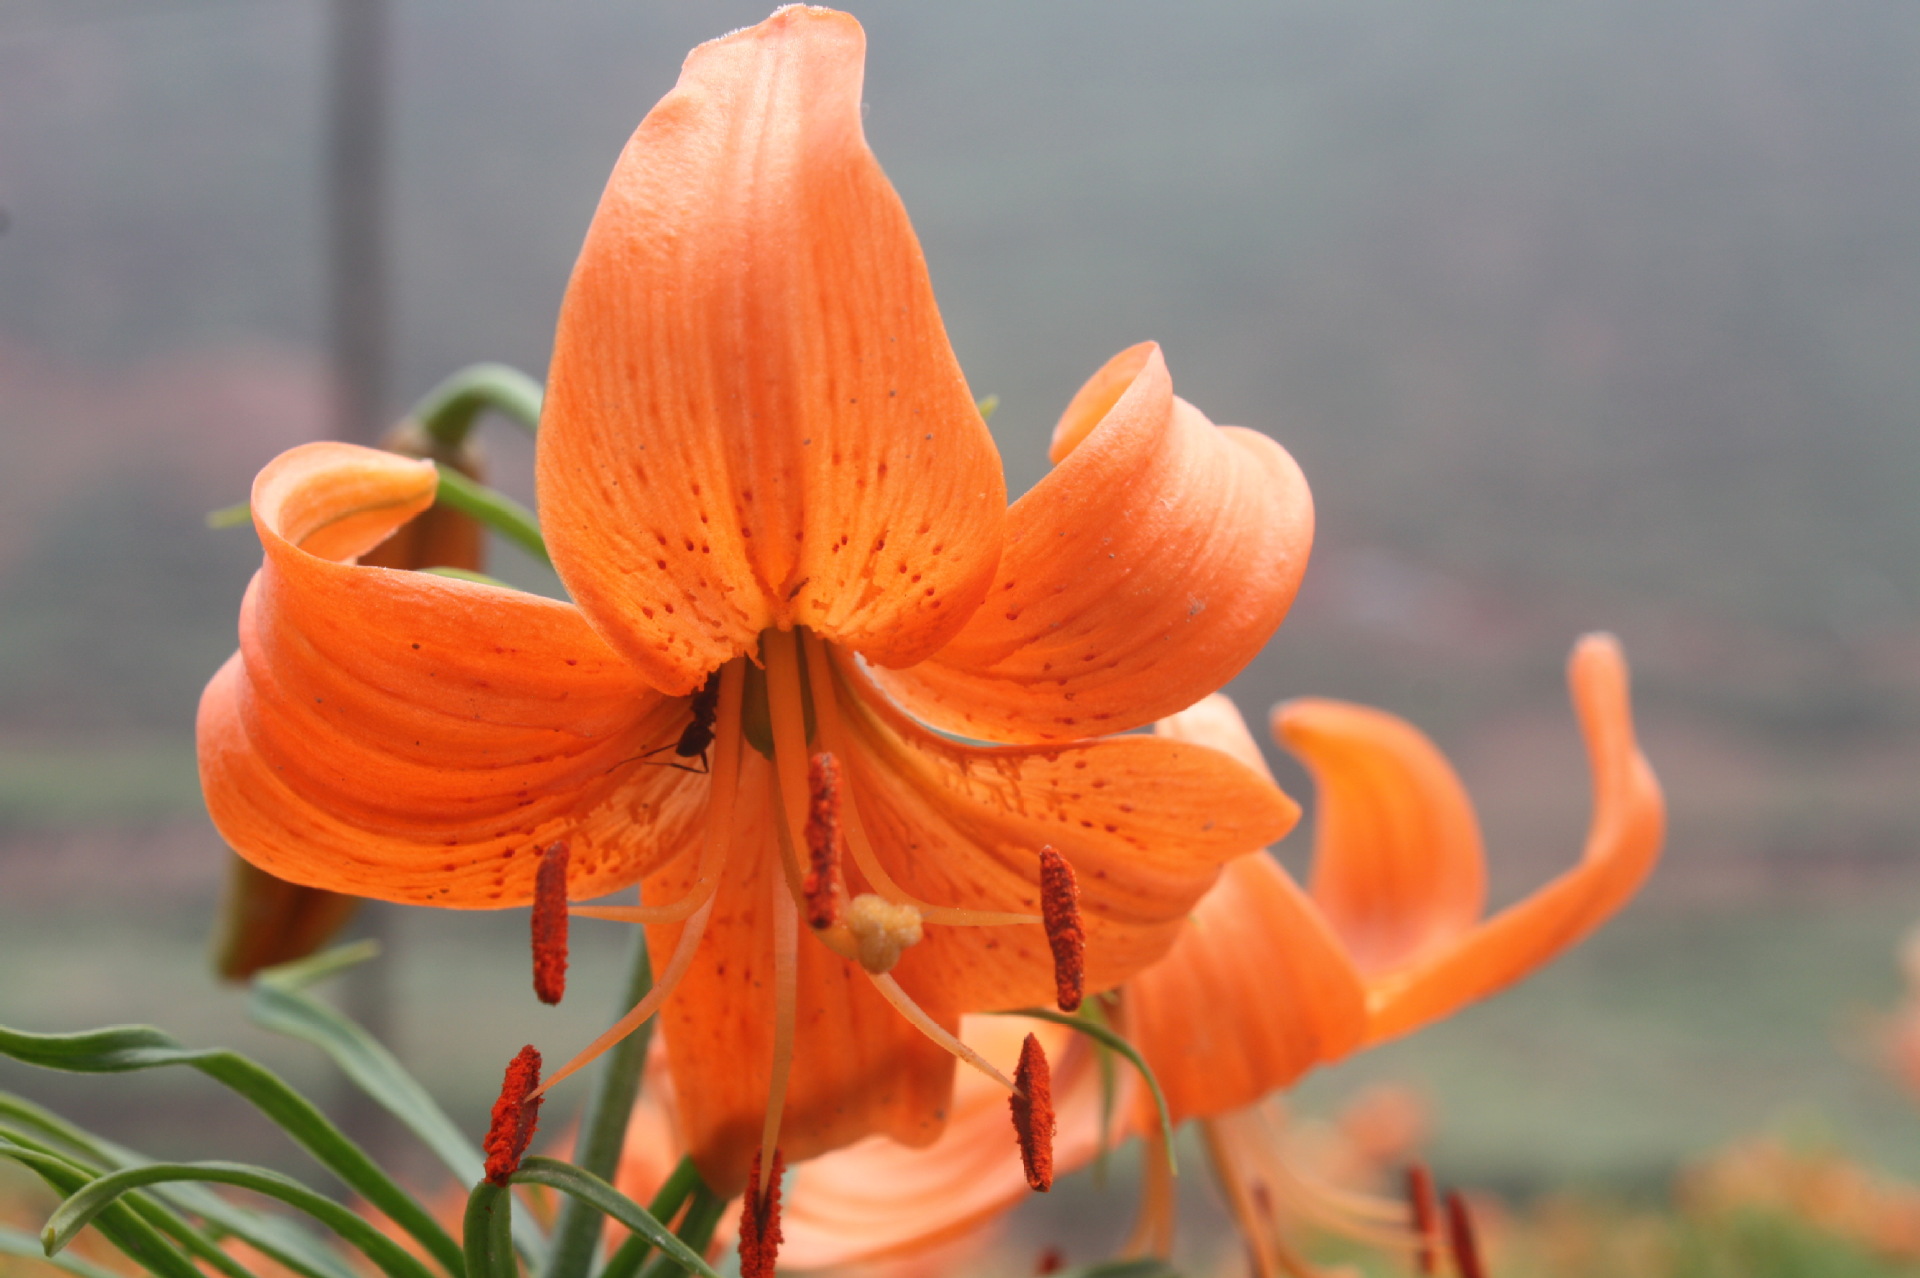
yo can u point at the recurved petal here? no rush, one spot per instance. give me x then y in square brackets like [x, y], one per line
[1142, 573]
[754, 417]
[1254, 993]
[414, 738]
[879, 1198]
[1623, 844]
[1144, 822]
[1398, 867]
[858, 1067]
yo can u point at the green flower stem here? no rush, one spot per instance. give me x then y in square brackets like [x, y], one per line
[494, 509]
[487, 1232]
[666, 1204]
[603, 1127]
[449, 410]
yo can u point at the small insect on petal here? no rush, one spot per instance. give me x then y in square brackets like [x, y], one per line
[823, 841]
[1060, 912]
[1425, 1212]
[760, 1221]
[550, 925]
[1461, 1239]
[516, 1115]
[1032, 1107]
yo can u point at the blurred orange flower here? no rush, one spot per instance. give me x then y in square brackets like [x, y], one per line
[765, 483]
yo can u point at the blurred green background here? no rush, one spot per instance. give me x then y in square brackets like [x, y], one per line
[1592, 314]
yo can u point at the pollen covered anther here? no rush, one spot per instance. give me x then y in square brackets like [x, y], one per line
[516, 1115]
[1462, 1240]
[760, 1221]
[550, 924]
[822, 885]
[1060, 913]
[1032, 1106]
[1425, 1212]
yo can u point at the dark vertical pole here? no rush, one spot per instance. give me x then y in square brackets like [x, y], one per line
[357, 206]
[359, 336]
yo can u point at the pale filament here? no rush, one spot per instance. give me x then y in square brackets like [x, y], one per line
[826, 710]
[786, 997]
[722, 800]
[1153, 1232]
[1363, 1217]
[790, 779]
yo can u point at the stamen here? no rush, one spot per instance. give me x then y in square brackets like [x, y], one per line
[916, 1015]
[1033, 1122]
[550, 924]
[760, 1220]
[1425, 1212]
[786, 1002]
[881, 929]
[832, 730]
[1051, 1261]
[1461, 1240]
[823, 842]
[515, 1116]
[1153, 1230]
[1060, 912]
[721, 803]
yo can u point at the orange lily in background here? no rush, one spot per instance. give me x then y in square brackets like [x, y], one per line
[1389, 936]
[766, 486]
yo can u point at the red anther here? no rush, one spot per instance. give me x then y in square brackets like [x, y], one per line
[550, 924]
[1426, 1217]
[1461, 1240]
[823, 841]
[1060, 912]
[1051, 1261]
[1032, 1107]
[760, 1221]
[515, 1116]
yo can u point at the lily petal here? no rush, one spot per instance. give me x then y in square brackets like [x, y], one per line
[1144, 571]
[858, 1067]
[1145, 823]
[754, 417]
[879, 1198]
[1623, 844]
[414, 738]
[1398, 865]
[1257, 990]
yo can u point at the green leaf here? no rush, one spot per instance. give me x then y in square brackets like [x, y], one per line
[80, 1208]
[123, 1048]
[602, 1197]
[277, 1001]
[987, 407]
[273, 1236]
[448, 411]
[1139, 1267]
[494, 509]
[1108, 1038]
[488, 1232]
[15, 1243]
[682, 1182]
[603, 1128]
[696, 1231]
[119, 1224]
[467, 574]
[234, 516]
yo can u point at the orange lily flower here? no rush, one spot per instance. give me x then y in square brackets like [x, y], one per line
[1266, 983]
[766, 486]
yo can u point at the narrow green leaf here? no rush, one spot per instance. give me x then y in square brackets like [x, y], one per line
[601, 1196]
[603, 1127]
[696, 1231]
[15, 1243]
[273, 1236]
[277, 1001]
[682, 1182]
[1108, 1038]
[1140, 1267]
[488, 1232]
[83, 1206]
[123, 1048]
[119, 1224]
[234, 516]
[448, 411]
[987, 407]
[466, 574]
[494, 509]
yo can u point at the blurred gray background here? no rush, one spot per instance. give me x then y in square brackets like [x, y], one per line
[1597, 314]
